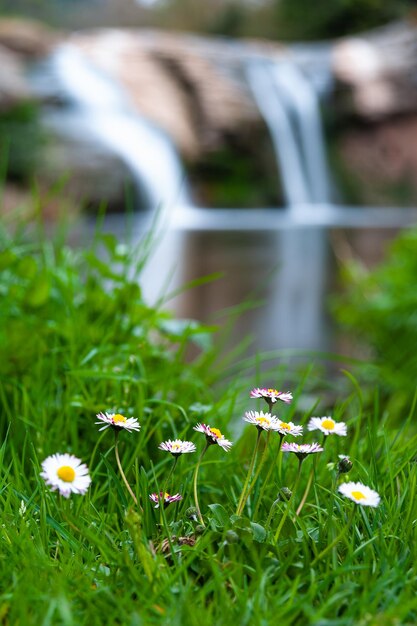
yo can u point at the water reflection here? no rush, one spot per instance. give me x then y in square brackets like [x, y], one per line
[289, 272]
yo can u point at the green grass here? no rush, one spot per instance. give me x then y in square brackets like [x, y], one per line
[76, 338]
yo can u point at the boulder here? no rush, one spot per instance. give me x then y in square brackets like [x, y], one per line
[89, 173]
[375, 72]
[21, 41]
[191, 87]
[28, 38]
[14, 87]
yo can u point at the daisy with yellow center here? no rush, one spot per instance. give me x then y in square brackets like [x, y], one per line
[177, 446]
[359, 493]
[65, 473]
[301, 450]
[117, 422]
[271, 395]
[213, 436]
[328, 426]
[165, 498]
[262, 421]
[289, 428]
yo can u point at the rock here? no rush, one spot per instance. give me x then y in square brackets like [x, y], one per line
[375, 72]
[191, 87]
[382, 158]
[21, 41]
[91, 174]
[14, 87]
[28, 38]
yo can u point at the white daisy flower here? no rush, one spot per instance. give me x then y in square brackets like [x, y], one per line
[271, 395]
[289, 428]
[213, 435]
[328, 426]
[262, 421]
[165, 497]
[359, 493]
[301, 450]
[117, 422]
[177, 446]
[66, 474]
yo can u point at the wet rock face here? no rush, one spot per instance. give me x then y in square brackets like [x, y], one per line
[375, 72]
[375, 102]
[90, 173]
[20, 42]
[193, 88]
[14, 87]
[27, 38]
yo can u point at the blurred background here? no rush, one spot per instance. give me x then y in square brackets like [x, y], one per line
[267, 143]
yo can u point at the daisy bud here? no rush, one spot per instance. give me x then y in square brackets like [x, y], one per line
[191, 513]
[284, 494]
[232, 536]
[345, 464]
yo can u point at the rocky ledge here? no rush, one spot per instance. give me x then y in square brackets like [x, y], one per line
[194, 88]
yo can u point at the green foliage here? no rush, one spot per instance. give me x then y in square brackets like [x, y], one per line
[380, 309]
[77, 338]
[230, 179]
[20, 139]
[333, 19]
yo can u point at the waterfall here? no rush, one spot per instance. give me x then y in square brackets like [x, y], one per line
[97, 109]
[102, 111]
[289, 103]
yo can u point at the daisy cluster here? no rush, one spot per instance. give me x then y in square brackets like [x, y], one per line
[357, 492]
[68, 475]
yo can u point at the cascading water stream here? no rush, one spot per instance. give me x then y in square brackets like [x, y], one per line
[289, 104]
[103, 112]
[96, 109]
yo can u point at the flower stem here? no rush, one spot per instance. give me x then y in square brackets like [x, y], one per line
[309, 483]
[171, 471]
[306, 492]
[249, 474]
[258, 471]
[119, 465]
[294, 489]
[200, 517]
[268, 476]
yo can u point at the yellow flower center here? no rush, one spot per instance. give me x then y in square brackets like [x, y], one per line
[328, 424]
[216, 432]
[264, 420]
[285, 425]
[176, 446]
[358, 495]
[66, 473]
[119, 418]
[166, 496]
[272, 391]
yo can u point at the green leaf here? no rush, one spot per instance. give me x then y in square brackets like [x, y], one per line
[103, 268]
[259, 532]
[220, 515]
